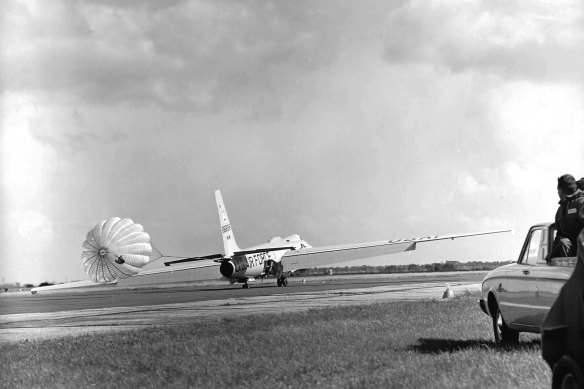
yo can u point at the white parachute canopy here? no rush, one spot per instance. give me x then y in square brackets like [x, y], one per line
[115, 248]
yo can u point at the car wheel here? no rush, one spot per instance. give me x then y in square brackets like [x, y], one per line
[567, 374]
[503, 334]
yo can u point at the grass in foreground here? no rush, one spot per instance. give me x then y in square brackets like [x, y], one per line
[432, 344]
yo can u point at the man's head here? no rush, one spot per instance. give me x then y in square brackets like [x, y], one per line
[566, 186]
[580, 183]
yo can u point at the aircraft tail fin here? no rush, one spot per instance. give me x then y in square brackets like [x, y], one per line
[229, 243]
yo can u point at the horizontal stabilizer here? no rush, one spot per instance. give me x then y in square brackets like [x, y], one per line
[192, 259]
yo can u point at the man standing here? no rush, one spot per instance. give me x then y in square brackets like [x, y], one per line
[569, 218]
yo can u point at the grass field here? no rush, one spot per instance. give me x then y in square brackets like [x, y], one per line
[421, 344]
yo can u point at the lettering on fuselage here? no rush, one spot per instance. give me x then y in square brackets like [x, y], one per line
[257, 259]
[241, 264]
[413, 239]
[250, 265]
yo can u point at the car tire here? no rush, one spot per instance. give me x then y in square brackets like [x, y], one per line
[567, 374]
[503, 334]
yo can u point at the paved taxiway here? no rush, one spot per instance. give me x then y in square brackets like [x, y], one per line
[31, 317]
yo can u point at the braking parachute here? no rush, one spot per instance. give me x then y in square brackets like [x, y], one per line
[115, 248]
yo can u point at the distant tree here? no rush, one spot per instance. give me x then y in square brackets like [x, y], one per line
[443, 266]
[448, 266]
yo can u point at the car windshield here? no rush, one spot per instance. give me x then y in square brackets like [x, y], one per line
[532, 252]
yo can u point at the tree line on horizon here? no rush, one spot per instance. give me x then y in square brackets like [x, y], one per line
[447, 266]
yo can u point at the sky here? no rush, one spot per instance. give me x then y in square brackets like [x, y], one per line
[340, 121]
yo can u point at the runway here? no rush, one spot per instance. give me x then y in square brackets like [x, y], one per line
[31, 317]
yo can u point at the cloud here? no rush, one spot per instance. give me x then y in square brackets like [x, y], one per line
[32, 227]
[71, 131]
[515, 40]
[29, 245]
[470, 185]
[192, 55]
[543, 117]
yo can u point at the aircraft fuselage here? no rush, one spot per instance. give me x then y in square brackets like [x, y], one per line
[249, 265]
[241, 268]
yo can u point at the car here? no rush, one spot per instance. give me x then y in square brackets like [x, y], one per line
[518, 296]
[562, 335]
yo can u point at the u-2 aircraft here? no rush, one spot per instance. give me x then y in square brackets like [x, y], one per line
[279, 257]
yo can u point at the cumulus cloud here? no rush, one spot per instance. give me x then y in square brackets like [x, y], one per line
[470, 185]
[30, 243]
[525, 61]
[539, 127]
[517, 40]
[32, 227]
[70, 132]
[192, 55]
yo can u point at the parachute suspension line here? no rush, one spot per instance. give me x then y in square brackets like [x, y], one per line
[92, 268]
[157, 254]
[109, 266]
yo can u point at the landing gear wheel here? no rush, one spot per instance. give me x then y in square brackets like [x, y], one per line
[503, 334]
[567, 374]
[245, 286]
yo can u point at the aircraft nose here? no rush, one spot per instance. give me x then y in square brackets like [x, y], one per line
[227, 269]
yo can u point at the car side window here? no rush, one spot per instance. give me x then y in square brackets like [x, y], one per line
[533, 251]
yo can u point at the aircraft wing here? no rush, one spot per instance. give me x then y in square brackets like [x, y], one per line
[319, 256]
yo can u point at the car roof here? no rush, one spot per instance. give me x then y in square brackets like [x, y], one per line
[544, 224]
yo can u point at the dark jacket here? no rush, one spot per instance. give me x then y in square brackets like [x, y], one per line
[570, 217]
[562, 327]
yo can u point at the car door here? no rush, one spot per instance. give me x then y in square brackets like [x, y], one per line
[550, 279]
[520, 307]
